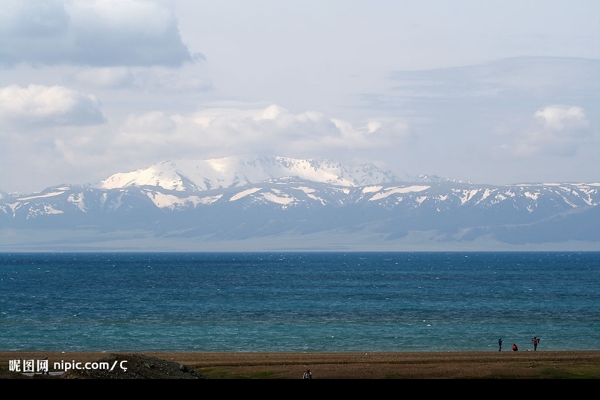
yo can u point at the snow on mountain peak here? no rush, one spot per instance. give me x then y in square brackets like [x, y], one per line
[181, 175]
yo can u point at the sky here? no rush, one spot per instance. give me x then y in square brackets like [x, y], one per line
[496, 92]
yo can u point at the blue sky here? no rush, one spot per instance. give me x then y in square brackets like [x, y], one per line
[491, 92]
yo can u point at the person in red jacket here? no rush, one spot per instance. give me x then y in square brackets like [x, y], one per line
[515, 348]
[535, 341]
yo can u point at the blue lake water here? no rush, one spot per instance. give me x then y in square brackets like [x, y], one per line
[298, 301]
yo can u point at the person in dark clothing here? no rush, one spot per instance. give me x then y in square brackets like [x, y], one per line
[535, 341]
[499, 344]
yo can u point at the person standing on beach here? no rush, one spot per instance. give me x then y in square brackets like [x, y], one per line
[535, 341]
[499, 344]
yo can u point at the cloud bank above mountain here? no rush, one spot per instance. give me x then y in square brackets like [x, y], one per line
[142, 139]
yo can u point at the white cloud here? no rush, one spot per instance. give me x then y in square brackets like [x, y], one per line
[47, 106]
[555, 129]
[90, 32]
[216, 132]
[562, 118]
[84, 154]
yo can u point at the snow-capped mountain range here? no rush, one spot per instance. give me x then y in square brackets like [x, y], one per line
[198, 175]
[283, 201]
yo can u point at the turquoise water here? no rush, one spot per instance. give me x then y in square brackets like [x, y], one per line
[298, 301]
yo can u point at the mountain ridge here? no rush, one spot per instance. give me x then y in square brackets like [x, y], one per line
[169, 209]
[233, 171]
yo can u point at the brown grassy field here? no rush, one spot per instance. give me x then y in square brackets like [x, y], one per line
[431, 365]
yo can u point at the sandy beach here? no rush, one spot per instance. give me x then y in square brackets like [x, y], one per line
[421, 365]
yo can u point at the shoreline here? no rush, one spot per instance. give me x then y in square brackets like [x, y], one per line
[353, 365]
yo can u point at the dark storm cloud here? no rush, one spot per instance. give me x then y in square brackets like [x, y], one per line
[93, 33]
